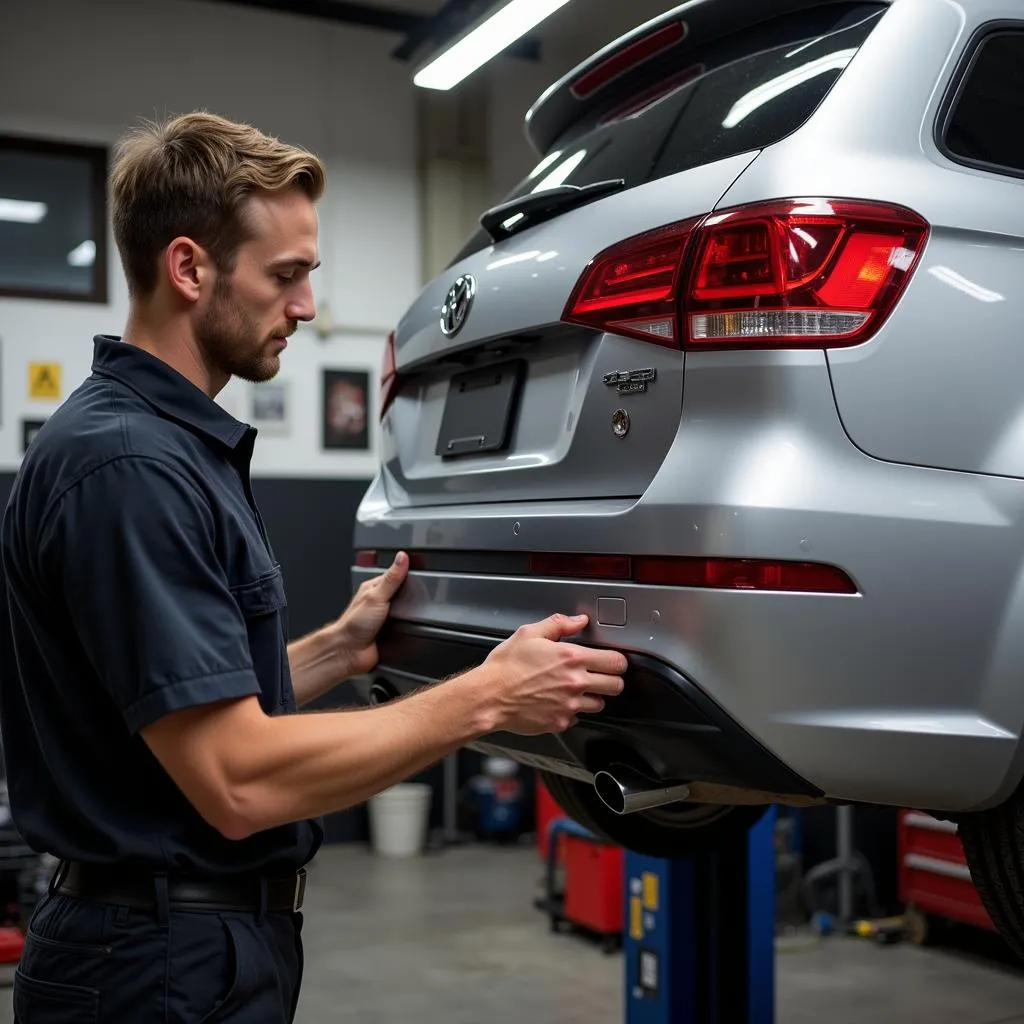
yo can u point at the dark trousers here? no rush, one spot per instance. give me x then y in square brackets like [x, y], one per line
[94, 963]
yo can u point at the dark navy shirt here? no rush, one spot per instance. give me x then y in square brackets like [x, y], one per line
[138, 581]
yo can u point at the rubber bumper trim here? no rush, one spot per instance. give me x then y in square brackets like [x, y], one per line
[663, 722]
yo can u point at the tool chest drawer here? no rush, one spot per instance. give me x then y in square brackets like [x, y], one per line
[933, 873]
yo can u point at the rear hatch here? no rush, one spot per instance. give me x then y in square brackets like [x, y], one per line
[493, 392]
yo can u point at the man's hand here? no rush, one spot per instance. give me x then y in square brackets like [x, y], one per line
[541, 685]
[357, 628]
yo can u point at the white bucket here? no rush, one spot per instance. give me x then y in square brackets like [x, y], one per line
[399, 818]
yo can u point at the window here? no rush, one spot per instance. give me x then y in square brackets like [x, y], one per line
[983, 123]
[731, 95]
[52, 220]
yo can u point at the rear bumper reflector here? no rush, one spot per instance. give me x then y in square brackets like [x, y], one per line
[651, 570]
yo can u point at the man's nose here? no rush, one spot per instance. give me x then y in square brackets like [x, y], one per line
[302, 305]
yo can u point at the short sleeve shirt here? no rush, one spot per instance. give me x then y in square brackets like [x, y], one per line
[138, 581]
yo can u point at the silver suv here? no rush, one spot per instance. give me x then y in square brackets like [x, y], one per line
[739, 371]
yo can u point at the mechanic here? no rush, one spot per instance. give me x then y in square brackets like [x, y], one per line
[148, 691]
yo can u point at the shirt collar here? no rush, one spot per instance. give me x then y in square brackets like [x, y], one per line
[166, 389]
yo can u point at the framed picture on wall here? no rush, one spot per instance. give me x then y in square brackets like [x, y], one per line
[29, 429]
[346, 410]
[271, 407]
[53, 220]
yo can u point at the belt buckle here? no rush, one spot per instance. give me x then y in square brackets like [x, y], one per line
[300, 890]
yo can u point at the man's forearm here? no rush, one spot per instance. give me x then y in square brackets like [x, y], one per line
[303, 766]
[317, 664]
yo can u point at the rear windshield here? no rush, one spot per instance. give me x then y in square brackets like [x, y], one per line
[736, 94]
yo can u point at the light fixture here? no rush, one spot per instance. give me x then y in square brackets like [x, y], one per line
[486, 40]
[21, 211]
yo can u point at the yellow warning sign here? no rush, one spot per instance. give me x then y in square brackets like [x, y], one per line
[650, 890]
[636, 918]
[44, 380]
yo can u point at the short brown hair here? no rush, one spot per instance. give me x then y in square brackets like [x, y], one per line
[191, 176]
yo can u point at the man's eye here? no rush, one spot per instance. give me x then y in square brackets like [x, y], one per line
[285, 278]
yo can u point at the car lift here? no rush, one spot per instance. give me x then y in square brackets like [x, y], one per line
[699, 936]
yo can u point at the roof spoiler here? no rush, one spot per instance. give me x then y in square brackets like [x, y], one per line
[627, 60]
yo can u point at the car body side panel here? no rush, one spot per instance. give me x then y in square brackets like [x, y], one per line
[939, 385]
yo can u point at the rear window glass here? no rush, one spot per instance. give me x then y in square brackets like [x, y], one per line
[736, 94]
[989, 102]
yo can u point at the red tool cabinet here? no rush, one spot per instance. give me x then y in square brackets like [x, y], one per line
[594, 893]
[933, 875]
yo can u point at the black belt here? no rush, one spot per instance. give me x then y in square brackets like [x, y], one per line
[134, 888]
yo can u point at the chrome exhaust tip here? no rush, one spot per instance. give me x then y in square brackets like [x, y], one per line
[624, 790]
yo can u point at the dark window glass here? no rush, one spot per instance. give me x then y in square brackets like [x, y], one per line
[52, 221]
[736, 94]
[984, 124]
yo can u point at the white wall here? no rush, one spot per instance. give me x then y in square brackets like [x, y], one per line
[83, 70]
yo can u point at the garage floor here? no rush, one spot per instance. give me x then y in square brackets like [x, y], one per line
[454, 938]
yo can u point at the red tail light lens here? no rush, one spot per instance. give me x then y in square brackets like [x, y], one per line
[813, 273]
[633, 289]
[794, 273]
[389, 379]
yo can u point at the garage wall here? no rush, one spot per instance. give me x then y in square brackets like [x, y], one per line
[82, 70]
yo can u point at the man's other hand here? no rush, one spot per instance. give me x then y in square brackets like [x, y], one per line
[358, 626]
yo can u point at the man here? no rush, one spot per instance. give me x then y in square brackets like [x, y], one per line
[147, 688]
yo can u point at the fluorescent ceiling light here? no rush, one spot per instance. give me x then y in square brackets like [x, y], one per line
[765, 93]
[487, 40]
[83, 255]
[21, 211]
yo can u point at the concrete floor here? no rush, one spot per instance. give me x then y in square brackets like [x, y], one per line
[454, 937]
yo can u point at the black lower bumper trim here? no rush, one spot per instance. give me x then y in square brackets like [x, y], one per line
[662, 722]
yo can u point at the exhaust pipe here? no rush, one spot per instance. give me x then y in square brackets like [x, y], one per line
[624, 790]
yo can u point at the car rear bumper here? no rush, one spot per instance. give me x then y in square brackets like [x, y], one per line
[906, 693]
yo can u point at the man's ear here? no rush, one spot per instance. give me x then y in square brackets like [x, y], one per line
[189, 268]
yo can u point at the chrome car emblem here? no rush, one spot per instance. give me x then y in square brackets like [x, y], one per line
[457, 305]
[631, 382]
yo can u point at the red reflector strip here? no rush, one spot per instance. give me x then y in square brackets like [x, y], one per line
[601, 567]
[652, 570]
[743, 574]
[626, 58]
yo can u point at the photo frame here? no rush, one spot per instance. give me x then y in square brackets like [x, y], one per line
[270, 408]
[346, 410]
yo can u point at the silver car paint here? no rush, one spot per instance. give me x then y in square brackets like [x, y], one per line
[908, 693]
[564, 446]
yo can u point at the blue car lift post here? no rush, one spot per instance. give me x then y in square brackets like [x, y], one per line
[699, 936]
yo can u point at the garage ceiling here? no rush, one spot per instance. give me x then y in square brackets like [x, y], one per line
[421, 26]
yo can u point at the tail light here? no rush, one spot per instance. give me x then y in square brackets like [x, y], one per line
[389, 379]
[793, 273]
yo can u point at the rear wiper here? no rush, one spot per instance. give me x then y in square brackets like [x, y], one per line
[505, 220]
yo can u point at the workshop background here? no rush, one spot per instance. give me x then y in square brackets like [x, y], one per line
[463, 932]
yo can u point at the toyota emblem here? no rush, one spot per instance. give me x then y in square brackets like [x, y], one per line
[457, 304]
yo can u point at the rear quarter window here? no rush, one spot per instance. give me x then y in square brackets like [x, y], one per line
[982, 127]
[734, 94]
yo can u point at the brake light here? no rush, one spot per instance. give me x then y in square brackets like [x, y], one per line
[793, 273]
[633, 288]
[389, 379]
[627, 58]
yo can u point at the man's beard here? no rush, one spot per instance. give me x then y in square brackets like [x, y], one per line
[227, 335]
